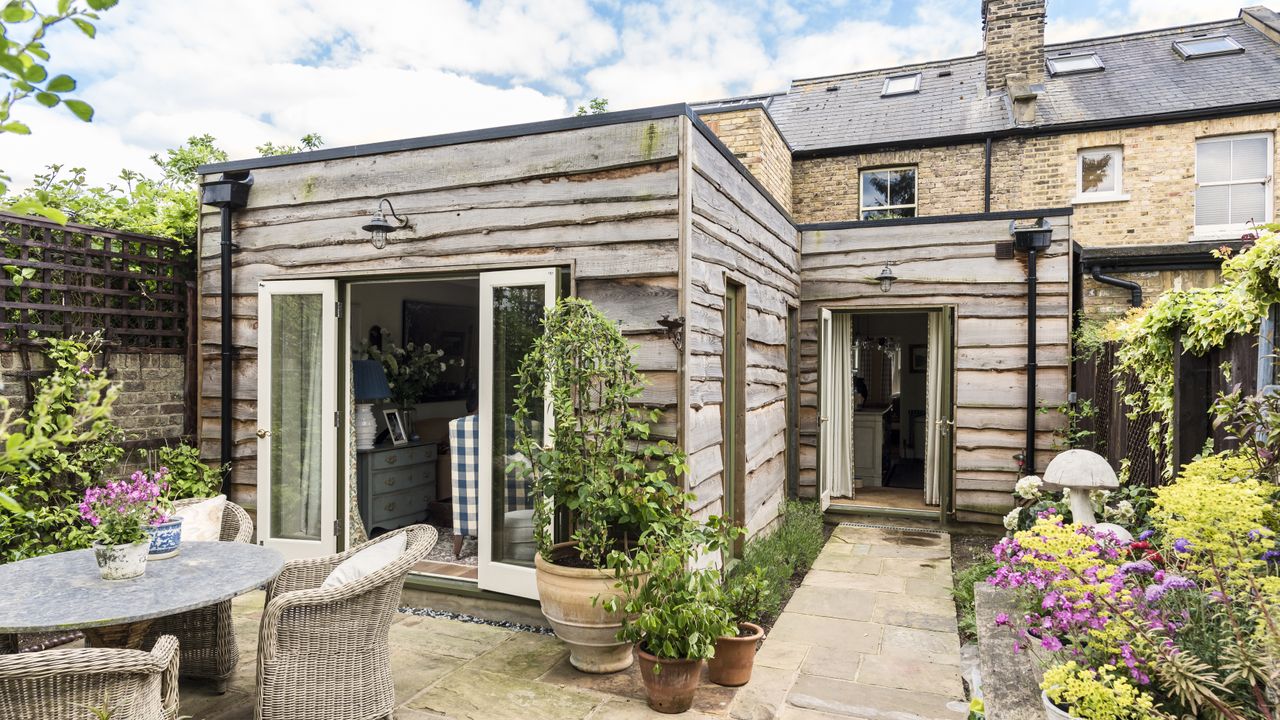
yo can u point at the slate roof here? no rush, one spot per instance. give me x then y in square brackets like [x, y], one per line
[1143, 76]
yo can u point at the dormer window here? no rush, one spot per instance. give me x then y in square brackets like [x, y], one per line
[1198, 47]
[1073, 64]
[901, 84]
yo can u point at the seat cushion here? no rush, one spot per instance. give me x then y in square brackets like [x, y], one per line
[202, 521]
[366, 562]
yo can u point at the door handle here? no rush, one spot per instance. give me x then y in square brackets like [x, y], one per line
[264, 433]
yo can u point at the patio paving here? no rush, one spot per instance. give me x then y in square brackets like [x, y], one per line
[870, 634]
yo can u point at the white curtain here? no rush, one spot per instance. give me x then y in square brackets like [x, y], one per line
[842, 402]
[296, 422]
[935, 410]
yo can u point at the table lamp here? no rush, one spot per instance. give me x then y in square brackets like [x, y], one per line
[370, 382]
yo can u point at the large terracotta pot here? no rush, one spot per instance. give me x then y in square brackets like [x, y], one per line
[670, 684]
[590, 631]
[735, 657]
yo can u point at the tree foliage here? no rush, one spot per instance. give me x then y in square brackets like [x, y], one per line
[24, 70]
[594, 106]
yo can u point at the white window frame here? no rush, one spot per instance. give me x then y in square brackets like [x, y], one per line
[915, 191]
[915, 88]
[1235, 230]
[1054, 60]
[1181, 47]
[1100, 196]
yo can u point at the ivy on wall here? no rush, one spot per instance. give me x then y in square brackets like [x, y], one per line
[1203, 318]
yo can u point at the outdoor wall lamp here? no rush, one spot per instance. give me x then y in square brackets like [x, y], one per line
[379, 226]
[886, 279]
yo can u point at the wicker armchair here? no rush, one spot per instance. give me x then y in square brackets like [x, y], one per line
[206, 636]
[323, 653]
[67, 684]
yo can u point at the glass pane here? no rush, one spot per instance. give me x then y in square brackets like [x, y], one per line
[296, 385]
[1074, 63]
[902, 84]
[1248, 203]
[1213, 161]
[1211, 205]
[1207, 46]
[1097, 171]
[875, 188]
[1249, 159]
[517, 322]
[902, 187]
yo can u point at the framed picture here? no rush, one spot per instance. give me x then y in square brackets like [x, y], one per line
[919, 356]
[395, 426]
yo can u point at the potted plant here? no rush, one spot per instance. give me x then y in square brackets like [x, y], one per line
[743, 597]
[1073, 692]
[600, 482]
[120, 513]
[674, 612]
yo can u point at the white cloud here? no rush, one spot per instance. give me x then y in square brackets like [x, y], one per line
[248, 71]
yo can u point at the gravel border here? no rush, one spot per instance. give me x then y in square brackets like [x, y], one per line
[463, 617]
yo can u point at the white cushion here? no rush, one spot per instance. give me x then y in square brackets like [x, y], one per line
[202, 521]
[366, 562]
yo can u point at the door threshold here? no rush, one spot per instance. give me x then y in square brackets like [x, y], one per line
[877, 511]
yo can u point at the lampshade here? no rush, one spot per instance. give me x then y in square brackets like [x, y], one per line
[370, 381]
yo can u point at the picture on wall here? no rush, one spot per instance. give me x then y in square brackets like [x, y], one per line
[445, 327]
[919, 356]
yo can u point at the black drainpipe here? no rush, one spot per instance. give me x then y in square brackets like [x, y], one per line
[986, 177]
[1135, 290]
[1031, 240]
[228, 194]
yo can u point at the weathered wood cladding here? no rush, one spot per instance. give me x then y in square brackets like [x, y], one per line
[953, 265]
[601, 200]
[735, 234]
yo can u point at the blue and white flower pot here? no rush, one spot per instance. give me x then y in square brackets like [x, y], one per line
[165, 539]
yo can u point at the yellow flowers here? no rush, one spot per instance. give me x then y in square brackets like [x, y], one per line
[1103, 694]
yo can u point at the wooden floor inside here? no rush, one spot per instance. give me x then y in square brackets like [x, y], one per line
[453, 570]
[886, 497]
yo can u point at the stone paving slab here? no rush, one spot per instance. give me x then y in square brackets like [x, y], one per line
[869, 635]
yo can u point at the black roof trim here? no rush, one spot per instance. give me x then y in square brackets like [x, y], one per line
[1058, 129]
[747, 106]
[501, 132]
[940, 219]
[1173, 256]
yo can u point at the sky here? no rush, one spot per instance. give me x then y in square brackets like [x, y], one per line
[252, 71]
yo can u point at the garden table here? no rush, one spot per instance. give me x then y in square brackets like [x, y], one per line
[63, 591]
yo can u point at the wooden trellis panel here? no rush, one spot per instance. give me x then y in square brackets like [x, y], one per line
[66, 279]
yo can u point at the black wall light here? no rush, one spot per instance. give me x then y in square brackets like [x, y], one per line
[379, 227]
[886, 278]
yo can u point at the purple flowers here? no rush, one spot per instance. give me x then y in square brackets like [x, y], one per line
[1141, 567]
[120, 510]
[1182, 545]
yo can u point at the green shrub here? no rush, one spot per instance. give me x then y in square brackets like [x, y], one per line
[745, 594]
[189, 477]
[965, 580]
[788, 551]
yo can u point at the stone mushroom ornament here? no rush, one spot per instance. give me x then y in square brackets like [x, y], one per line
[1081, 472]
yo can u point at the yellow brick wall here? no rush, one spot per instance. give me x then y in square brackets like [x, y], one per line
[948, 181]
[755, 141]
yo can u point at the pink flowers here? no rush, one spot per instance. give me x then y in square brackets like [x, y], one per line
[120, 510]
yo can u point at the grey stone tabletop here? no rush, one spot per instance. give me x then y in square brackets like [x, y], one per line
[63, 591]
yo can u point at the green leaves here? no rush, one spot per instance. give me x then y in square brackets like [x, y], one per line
[61, 84]
[86, 27]
[16, 12]
[80, 109]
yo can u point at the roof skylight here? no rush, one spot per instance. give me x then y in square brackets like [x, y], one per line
[1073, 64]
[1198, 47]
[901, 84]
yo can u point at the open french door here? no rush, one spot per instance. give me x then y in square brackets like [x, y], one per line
[512, 305]
[825, 408]
[939, 413]
[297, 411]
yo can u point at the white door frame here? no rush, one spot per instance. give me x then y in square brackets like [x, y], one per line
[498, 576]
[825, 408]
[327, 290]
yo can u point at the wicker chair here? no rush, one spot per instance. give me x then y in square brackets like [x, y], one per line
[66, 684]
[206, 635]
[323, 653]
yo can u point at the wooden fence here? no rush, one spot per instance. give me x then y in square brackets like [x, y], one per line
[1198, 382]
[61, 280]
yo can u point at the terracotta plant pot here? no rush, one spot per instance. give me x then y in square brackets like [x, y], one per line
[165, 539]
[587, 628]
[121, 562]
[735, 656]
[670, 684]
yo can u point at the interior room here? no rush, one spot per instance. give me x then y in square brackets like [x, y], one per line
[415, 364]
[889, 358]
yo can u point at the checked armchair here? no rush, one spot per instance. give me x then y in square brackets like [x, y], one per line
[324, 652]
[69, 684]
[206, 636]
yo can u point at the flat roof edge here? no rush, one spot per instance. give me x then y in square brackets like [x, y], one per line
[939, 219]
[501, 132]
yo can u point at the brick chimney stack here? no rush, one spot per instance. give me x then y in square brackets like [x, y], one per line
[1013, 41]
